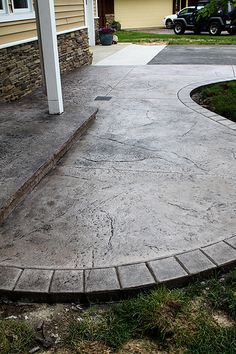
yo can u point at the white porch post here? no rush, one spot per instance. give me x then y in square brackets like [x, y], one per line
[89, 20]
[47, 35]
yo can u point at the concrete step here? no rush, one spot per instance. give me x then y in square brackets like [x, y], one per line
[31, 143]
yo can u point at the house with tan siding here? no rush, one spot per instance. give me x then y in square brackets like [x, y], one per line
[139, 13]
[20, 71]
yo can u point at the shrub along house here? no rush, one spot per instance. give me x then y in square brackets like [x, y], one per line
[139, 13]
[20, 71]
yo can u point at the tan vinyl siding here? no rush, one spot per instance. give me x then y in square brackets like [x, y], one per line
[69, 15]
[17, 31]
[142, 13]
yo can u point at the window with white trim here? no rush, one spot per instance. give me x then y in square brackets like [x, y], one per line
[14, 10]
[2, 7]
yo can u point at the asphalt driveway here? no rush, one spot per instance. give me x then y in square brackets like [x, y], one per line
[203, 55]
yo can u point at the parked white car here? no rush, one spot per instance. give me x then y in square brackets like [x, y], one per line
[168, 21]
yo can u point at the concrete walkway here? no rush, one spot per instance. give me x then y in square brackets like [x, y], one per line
[147, 196]
[132, 54]
[102, 52]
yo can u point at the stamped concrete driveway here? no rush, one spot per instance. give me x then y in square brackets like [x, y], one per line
[155, 176]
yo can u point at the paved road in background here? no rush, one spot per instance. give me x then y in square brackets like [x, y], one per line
[209, 55]
[202, 54]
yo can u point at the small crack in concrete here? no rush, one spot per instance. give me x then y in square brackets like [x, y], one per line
[153, 248]
[42, 228]
[109, 244]
[181, 207]
[189, 160]
[232, 134]
[112, 232]
[188, 131]
[117, 161]
[6, 259]
[93, 258]
[152, 150]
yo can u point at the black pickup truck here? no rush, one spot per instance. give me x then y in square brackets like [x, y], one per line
[220, 20]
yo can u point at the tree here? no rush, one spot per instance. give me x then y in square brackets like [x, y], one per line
[212, 7]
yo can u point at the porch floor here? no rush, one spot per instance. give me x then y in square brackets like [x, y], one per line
[146, 196]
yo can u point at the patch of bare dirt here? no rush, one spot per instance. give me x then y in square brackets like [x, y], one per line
[223, 320]
[152, 43]
[50, 322]
[196, 96]
[58, 351]
[133, 347]
[141, 347]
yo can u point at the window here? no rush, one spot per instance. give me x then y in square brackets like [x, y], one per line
[183, 12]
[191, 10]
[20, 5]
[15, 10]
[2, 7]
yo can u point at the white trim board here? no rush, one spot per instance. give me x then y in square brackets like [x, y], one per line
[32, 39]
[16, 14]
[17, 17]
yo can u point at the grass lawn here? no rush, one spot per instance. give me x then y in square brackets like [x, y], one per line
[197, 319]
[139, 37]
[219, 98]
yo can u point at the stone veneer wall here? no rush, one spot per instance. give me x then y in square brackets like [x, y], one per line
[109, 19]
[96, 26]
[20, 71]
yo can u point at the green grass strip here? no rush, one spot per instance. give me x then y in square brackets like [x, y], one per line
[220, 98]
[188, 39]
[16, 337]
[180, 321]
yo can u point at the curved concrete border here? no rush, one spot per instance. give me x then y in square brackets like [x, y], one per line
[115, 282]
[184, 96]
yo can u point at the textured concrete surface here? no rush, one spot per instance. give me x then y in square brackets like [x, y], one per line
[135, 275]
[221, 253]
[70, 281]
[202, 54]
[32, 141]
[9, 277]
[167, 269]
[152, 182]
[101, 280]
[195, 262]
[34, 280]
[133, 54]
[102, 52]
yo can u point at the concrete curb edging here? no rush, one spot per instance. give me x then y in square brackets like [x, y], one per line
[104, 284]
[184, 95]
